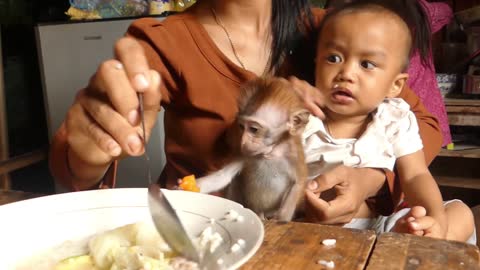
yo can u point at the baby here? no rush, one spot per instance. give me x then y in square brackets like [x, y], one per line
[362, 58]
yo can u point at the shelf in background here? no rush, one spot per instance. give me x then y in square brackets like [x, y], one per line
[461, 182]
[462, 102]
[467, 153]
[463, 112]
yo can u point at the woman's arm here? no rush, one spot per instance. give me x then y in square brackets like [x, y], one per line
[62, 171]
[352, 187]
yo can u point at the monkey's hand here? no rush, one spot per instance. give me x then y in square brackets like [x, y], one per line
[188, 183]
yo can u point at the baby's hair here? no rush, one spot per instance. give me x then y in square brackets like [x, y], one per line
[410, 11]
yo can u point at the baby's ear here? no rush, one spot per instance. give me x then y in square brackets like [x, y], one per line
[398, 85]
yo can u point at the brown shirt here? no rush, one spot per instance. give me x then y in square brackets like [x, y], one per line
[200, 86]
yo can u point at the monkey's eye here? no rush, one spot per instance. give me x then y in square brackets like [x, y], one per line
[242, 126]
[334, 58]
[253, 130]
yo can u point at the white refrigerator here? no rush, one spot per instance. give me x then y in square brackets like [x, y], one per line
[69, 54]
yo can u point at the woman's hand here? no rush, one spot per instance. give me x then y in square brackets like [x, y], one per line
[103, 123]
[313, 98]
[352, 187]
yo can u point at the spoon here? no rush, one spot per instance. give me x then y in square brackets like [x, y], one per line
[164, 217]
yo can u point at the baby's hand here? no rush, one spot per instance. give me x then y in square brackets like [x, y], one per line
[429, 226]
[188, 183]
[418, 223]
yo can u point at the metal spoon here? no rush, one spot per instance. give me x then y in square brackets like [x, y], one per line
[164, 217]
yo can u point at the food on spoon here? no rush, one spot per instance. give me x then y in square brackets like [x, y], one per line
[188, 183]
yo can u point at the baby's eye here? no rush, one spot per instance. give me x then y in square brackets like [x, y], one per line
[368, 65]
[334, 58]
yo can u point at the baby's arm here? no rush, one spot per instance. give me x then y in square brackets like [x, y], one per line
[420, 189]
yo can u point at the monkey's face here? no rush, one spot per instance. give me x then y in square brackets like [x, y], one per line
[359, 60]
[259, 134]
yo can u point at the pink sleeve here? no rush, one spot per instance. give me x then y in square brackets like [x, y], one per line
[438, 13]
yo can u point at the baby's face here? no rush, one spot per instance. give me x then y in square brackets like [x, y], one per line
[360, 56]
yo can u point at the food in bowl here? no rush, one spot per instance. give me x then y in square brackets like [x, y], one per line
[53, 228]
[136, 246]
[130, 247]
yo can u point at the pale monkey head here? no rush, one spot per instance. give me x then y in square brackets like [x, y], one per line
[270, 112]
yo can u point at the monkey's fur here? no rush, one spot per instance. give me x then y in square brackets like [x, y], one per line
[269, 172]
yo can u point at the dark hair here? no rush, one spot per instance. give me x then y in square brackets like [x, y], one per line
[410, 11]
[417, 19]
[290, 20]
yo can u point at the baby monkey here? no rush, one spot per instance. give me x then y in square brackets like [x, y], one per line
[268, 173]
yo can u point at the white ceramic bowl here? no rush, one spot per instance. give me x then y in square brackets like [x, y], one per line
[29, 227]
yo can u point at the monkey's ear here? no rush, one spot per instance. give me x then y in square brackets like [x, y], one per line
[298, 120]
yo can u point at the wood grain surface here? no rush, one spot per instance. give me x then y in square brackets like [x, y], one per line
[299, 246]
[404, 251]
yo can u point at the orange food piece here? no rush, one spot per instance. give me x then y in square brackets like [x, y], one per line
[188, 183]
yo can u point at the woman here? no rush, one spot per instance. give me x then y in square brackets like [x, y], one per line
[202, 56]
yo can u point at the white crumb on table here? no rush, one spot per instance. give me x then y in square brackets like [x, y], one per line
[329, 242]
[328, 264]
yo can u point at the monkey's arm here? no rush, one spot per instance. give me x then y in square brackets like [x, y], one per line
[289, 203]
[219, 179]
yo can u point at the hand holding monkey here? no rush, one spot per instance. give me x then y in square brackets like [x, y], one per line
[352, 186]
[312, 97]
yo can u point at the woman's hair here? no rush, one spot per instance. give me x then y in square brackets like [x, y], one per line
[290, 20]
[410, 11]
[417, 19]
